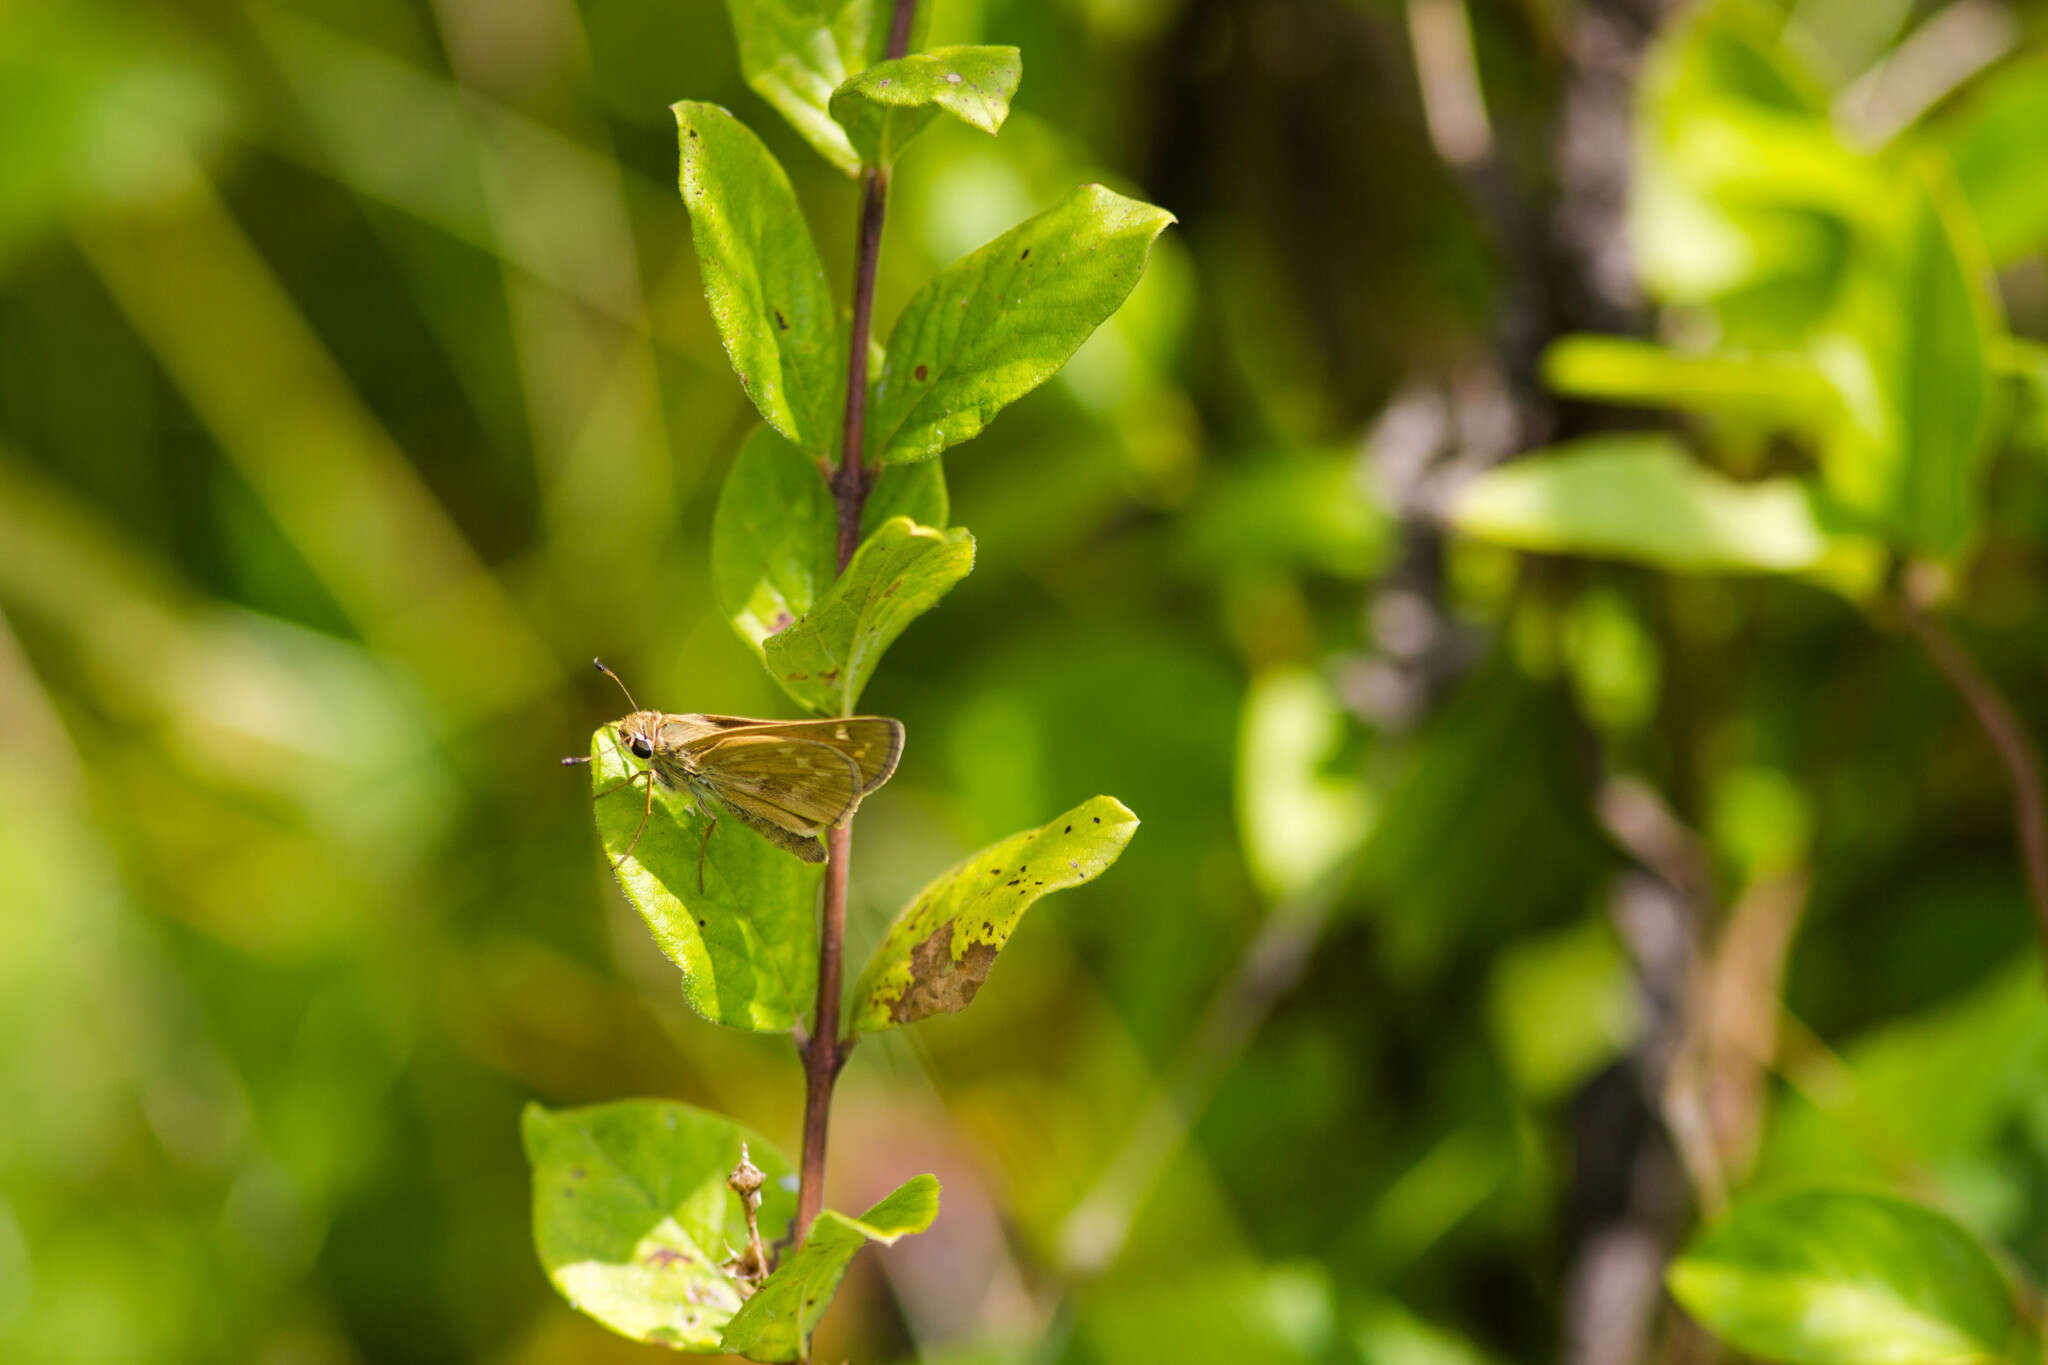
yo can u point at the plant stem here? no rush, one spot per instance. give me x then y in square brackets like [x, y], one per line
[823, 1052]
[823, 1056]
[2001, 724]
[851, 481]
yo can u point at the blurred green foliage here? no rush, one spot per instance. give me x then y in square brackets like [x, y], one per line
[356, 387]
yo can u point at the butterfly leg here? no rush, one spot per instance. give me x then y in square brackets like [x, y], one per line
[703, 846]
[647, 773]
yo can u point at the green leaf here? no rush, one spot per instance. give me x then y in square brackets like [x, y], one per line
[1997, 143]
[1000, 321]
[1834, 1277]
[1641, 497]
[778, 1320]
[940, 949]
[1726, 384]
[633, 1219]
[886, 105]
[826, 657]
[1300, 812]
[748, 940]
[795, 53]
[1735, 153]
[774, 537]
[762, 277]
[1909, 351]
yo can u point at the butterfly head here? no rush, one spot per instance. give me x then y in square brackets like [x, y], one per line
[637, 733]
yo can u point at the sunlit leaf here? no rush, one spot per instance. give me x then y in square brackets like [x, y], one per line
[888, 104]
[826, 657]
[940, 949]
[1300, 813]
[1000, 321]
[1834, 1277]
[777, 1322]
[1908, 349]
[1642, 498]
[1742, 182]
[795, 53]
[774, 537]
[747, 941]
[762, 277]
[1624, 370]
[633, 1218]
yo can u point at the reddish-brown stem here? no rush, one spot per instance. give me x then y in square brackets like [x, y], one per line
[2001, 724]
[850, 482]
[823, 1052]
[823, 1055]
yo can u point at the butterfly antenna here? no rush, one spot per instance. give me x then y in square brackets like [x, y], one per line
[615, 678]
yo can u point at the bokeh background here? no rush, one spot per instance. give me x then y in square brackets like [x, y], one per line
[356, 389]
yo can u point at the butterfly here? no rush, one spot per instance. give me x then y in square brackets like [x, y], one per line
[787, 780]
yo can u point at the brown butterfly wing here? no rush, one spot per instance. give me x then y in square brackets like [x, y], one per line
[797, 784]
[771, 824]
[874, 743]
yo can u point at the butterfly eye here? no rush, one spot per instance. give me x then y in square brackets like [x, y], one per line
[641, 747]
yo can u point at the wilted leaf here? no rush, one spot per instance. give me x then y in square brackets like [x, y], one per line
[1642, 498]
[825, 659]
[888, 104]
[778, 1320]
[1834, 1277]
[795, 53]
[748, 940]
[942, 947]
[774, 538]
[1000, 321]
[762, 277]
[633, 1219]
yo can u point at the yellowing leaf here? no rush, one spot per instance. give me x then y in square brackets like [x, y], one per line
[942, 947]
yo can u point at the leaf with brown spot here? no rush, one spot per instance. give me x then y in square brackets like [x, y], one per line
[942, 947]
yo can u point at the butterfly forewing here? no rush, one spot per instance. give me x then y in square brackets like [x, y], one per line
[874, 743]
[812, 785]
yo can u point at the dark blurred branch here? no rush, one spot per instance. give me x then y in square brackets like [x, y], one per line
[823, 1052]
[2008, 736]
